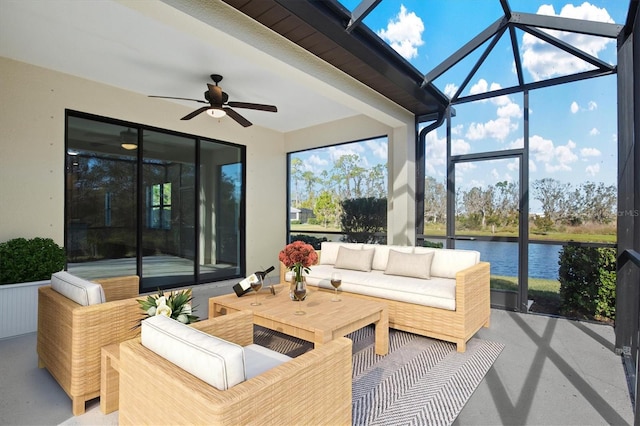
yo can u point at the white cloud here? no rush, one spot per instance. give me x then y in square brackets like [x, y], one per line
[436, 154]
[457, 129]
[480, 87]
[404, 33]
[459, 147]
[495, 174]
[593, 169]
[544, 61]
[574, 107]
[379, 148]
[502, 125]
[314, 161]
[450, 89]
[336, 152]
[553, 157]
[498, 129]
[594, 132]
[593, 105]
[590, 152]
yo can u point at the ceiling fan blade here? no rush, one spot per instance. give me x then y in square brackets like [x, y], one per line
[240, 119]
[248, 105]
[215, 95]
[194, 113]
[182, 99]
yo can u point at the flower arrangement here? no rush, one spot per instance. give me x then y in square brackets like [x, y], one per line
[176, 305]
[298, 256]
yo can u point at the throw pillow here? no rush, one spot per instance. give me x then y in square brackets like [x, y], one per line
[409, 264]
[357, 260]
[329, 251]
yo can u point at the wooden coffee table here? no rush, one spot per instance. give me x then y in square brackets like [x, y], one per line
[324, 320]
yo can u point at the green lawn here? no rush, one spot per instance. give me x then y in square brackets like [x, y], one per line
[544, 293]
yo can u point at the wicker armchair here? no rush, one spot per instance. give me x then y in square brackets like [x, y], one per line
[314, 388]
[70, 335]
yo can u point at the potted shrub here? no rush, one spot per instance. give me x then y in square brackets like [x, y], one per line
[25, 265]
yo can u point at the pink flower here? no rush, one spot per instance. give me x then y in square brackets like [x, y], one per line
[298, 256]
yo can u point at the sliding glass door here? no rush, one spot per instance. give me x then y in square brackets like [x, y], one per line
[162, 205]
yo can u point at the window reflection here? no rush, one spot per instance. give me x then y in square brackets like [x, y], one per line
[179, 225]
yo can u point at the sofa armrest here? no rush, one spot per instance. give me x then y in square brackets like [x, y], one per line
[473, 289]
[314, 388]
[236, 327]
[118, 288]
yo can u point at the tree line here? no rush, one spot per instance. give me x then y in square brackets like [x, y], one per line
[346, 179]
[497, 205]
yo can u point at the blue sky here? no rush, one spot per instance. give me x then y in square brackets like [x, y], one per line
[573, 127]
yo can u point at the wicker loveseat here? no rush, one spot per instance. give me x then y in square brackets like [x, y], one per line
[71, 335]
[452, 305]
[313, 388]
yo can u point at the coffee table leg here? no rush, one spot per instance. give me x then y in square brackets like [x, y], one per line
[382, 333]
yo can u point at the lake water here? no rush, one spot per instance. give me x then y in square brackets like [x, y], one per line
[503, 257]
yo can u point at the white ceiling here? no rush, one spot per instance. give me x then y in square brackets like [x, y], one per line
[151, 48]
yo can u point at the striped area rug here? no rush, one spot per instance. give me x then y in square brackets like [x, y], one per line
[421, 381]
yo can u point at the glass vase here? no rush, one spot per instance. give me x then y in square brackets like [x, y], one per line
[292, 287]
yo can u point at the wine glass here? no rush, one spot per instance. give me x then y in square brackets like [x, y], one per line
[256, 285]
[336, 281]
[300, 293]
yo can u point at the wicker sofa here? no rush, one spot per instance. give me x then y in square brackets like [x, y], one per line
[313, 388]
[452, 305]
[70, 335]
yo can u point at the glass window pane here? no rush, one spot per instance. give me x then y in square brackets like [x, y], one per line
[168, 234]
[339, 192]
[100, 200]
[221, 188]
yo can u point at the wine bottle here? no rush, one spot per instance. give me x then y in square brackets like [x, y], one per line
[244, 286]
[264, 273]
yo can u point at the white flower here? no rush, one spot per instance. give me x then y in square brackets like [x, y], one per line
[186, 309]
[161, 301]
[151, 311]
[164, 310]
[183, 318]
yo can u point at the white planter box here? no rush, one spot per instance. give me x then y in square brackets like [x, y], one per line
[19, 308]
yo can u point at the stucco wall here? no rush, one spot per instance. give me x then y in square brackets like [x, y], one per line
[32, 155]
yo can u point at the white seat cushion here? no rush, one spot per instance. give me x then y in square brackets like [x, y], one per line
[436, 292]
[81, 291]
[260, 359]
[213, 360]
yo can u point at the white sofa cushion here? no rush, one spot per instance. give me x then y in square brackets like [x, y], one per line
[81, 291]
[329, 251]
[213, 360]
[436, 292]
[381, 255]
[448, 262]
[357, 260]
[409, 264]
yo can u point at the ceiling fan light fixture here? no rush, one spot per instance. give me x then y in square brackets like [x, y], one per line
[129, 146]
[216, 112]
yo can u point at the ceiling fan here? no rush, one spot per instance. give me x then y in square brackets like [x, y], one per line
[219, 104]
